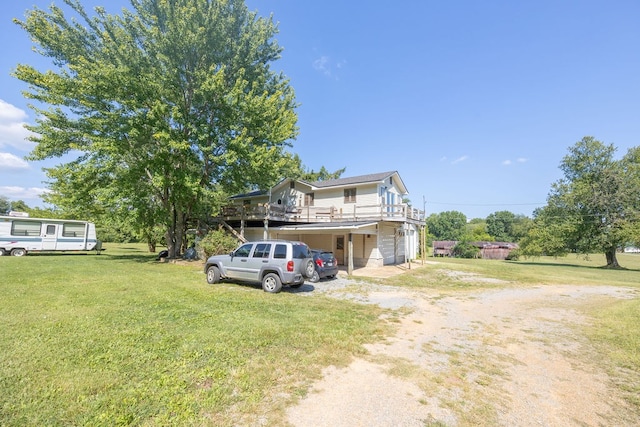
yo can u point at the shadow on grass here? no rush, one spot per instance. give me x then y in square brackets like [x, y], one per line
[138, 257]
[305, 288]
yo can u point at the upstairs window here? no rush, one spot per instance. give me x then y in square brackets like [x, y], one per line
[308, 199]
[350, 195]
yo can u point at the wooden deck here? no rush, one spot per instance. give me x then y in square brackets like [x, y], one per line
[314, 214]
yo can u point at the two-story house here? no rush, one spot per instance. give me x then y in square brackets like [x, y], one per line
[362, 219]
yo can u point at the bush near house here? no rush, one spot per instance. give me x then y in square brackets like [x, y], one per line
[216, 242]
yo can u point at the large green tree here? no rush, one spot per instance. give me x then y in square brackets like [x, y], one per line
[505, 226]
[160, 108]
[449, 225]
[5, 205]
[595, 207]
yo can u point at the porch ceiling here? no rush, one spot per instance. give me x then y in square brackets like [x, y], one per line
[327, 226]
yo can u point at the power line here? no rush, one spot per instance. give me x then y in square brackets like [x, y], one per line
[485, 204]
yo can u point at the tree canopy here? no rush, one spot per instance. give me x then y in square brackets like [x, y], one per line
[505, 226]
[449, 225]
[159, 109]
[594, 207]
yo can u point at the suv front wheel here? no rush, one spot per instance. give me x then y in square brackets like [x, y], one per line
[213, 275]
[271, 283]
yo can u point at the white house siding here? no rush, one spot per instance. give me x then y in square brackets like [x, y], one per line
[318, 241]
[365, 195]
[253, 234]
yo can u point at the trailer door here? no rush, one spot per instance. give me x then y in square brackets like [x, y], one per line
[49, 237]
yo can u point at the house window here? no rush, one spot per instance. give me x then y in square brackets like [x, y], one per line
[350, 195]
[308, 199]
[292, 185]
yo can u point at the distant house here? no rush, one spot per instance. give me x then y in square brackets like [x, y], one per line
[488, 250]
[362, 219]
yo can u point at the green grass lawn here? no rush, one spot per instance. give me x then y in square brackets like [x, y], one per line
[569, 270]
[120, 339]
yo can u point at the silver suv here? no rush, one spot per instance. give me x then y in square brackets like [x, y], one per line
[271, 262]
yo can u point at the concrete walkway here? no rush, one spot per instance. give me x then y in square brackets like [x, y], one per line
[384, 271]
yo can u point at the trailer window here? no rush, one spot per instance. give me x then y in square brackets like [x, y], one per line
[25, 228]
[72, 230]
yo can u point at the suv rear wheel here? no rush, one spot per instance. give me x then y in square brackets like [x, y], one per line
[271, 283]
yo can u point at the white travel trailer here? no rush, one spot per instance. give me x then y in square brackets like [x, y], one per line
[19, 235]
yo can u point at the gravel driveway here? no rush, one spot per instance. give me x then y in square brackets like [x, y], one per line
[507, 357]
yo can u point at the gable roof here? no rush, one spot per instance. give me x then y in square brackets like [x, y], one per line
[361, 179]
[372, 178]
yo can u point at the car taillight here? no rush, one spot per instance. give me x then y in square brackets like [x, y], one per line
[290, 266]
[320, 263]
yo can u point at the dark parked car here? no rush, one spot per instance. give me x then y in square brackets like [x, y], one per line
[326, 265]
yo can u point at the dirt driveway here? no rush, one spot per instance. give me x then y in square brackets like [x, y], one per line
[506, 357]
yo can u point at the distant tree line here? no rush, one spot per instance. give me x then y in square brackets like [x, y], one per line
[594, 208]
[501, 226]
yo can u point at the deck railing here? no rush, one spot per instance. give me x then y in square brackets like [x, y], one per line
[309, 214]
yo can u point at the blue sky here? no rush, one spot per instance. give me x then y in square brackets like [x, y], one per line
[474, 103]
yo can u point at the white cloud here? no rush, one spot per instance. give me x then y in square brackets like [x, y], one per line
[510, 162]
[22, 193]
[322, 64]
[10, 113]
[459, 160]
[12, 130]
[327, 66]
[9, 162]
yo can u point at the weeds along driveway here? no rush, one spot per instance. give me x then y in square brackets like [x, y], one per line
[509, 357]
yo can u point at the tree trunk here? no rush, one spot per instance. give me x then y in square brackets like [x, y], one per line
[175, 234]
[612, 260]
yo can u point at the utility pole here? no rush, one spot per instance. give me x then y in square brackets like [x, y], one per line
[424, 229]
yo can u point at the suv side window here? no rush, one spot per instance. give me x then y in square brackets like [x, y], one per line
[301, 251]
[262, 250]
[280, 251]
[243, 251]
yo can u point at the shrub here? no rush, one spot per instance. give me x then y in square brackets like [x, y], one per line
[465, 250]
[514, 255]
[216, 242]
